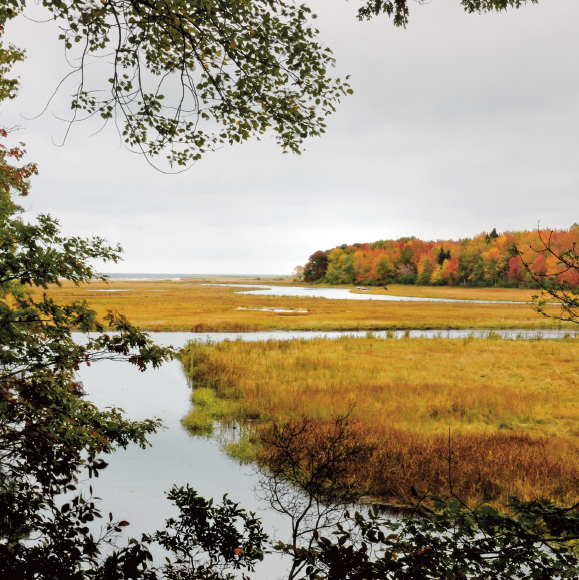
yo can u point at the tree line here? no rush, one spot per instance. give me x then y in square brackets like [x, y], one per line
[509, 259]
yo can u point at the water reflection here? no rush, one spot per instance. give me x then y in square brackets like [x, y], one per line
[134, 484]
[179, 339]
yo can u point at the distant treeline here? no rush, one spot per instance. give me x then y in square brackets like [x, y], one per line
[488, 259]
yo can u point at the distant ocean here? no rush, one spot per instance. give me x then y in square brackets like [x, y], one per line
[121, 276]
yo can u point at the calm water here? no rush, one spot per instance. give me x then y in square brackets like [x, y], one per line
[134, 484]
[178, 339]
[341, 294]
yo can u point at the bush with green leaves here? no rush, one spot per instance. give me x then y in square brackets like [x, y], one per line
[536, 540]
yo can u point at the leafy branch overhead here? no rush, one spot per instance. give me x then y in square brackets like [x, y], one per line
[189, 76]
[398, 9]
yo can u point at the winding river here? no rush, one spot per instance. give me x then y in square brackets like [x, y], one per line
[340, 294]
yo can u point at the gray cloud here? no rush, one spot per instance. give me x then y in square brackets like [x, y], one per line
[458, 124]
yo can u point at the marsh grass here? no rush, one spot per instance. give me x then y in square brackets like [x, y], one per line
[192, 307]
[208, 408]
[244, 449]
[511, 407]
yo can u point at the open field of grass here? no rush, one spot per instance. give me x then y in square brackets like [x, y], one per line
[512, 408]
[455, 292]
[190, 306]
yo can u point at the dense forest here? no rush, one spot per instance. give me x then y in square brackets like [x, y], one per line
[488, 259]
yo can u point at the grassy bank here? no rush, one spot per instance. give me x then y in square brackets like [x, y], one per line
[190, 306]
[511, 408]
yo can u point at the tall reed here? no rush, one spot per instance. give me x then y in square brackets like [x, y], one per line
[510, 407]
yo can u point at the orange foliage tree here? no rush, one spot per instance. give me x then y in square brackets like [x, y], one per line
[509, 259]
[555, 270]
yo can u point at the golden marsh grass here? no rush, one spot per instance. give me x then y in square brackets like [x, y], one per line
[190, 306]
[511, 407]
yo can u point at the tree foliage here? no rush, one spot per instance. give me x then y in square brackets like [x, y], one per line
[247, 66]
[450, 541]
[48, 432]
[208, 540]
[485, 260]
[399, 11]
[316, 267]
[51, 438]
[188, 76]
[555, 270]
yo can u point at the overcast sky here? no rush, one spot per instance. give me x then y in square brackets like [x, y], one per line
[458, 124]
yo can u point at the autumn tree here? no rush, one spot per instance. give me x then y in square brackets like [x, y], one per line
[559, 282]
[317, 266]
[493, 265]
[298, 273]
[424, 271]
[340, 266]
[384, 270]
[437, 278]
[483, 260]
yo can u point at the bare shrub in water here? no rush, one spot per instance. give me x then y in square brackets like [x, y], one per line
[303, 474]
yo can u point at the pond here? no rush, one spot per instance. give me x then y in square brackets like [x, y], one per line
[133, 485]
[340, 294]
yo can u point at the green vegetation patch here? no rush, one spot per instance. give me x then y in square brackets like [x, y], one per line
[208, 408]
